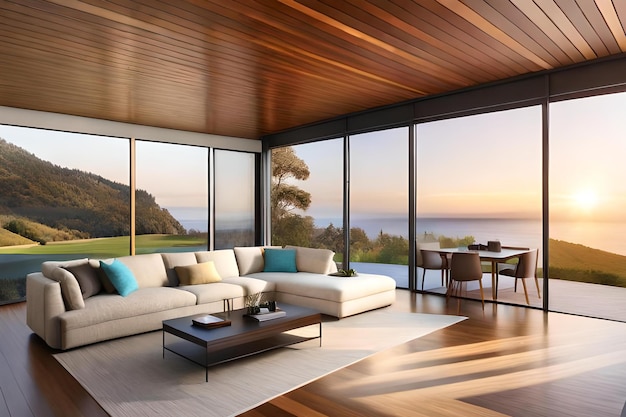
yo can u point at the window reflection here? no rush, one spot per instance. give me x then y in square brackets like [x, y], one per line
[379, 203]
[234, 199]
[307, 196]
[479, 180]
[62, 196]
[171, 200]
[587, 200]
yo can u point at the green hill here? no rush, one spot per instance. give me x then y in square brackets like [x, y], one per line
[79, 203]
[575, 262]
[11, 239]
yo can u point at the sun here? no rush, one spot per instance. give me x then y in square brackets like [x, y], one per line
[586, 199]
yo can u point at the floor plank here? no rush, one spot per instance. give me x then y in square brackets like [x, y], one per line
[503, 361]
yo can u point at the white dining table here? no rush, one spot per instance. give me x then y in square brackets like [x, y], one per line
[488, 256]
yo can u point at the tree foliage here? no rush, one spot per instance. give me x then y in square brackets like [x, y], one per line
[289, 227]
[80, 203]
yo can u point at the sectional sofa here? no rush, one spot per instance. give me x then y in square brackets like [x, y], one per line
[83, 301]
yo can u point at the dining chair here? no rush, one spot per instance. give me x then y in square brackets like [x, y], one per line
[432, 260]
[526, 268]
[464, 267]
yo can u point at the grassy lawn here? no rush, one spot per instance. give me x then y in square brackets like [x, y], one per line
[575, 262]
[107, 247]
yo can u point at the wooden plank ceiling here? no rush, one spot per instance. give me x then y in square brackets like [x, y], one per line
[247, 68]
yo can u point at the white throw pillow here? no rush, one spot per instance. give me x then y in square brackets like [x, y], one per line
[316, 261]
[249, 259]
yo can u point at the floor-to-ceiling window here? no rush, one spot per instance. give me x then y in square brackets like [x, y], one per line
[379, 168]
[67, 195]
[171, 197]
[587, 257]
[62, 196]
[479, 180]
[234, 177]
[307, 196]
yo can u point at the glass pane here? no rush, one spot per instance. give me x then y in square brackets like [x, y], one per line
[307, 196]
[379, 203]
[62, 196]
[587, 206]
[171, 200]
[479, 180]
[234, 199]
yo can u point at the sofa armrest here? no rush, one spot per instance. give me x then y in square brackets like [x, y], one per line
[44, 304]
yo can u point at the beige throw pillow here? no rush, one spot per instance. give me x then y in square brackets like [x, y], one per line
[249, 259]
[202, 273]
[316, 261]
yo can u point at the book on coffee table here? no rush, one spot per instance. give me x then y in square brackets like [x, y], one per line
[265, 314]
[209, 322]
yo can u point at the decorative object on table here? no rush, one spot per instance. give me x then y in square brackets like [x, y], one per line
[494, 246]
[252, 303]
[477, 246]
[344, 273]
[270, 305]
[265, 314]
[210, 322]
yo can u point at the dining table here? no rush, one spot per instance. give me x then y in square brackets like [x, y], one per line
[493, 257]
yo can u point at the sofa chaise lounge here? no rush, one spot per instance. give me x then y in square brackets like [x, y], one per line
[72, 303]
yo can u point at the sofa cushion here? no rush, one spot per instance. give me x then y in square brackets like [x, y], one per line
[280, 260]
[249, 259]
[216, 291]
[87, 279]
[172, 260]
[70, 290]
[120, 276]
[224, 260]
[48, 266]
[251, 285]
[141, 303]
[202, 273]
[317, 261]
[328, 287]
[148, 269]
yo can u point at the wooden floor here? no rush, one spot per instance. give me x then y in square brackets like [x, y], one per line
[506, 360]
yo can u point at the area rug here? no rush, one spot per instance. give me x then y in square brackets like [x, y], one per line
[130, 377]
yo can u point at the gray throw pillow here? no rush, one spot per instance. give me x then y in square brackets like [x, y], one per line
[87, 279]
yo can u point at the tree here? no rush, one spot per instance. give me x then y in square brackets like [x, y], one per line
[287, 226]
[330, 238]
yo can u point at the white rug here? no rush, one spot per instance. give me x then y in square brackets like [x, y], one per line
[129, 377]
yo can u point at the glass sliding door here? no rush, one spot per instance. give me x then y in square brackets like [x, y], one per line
[234, 177]
[479, 180]
[588, 206]
[171, 199]
[62, 196]
[307, 196]
[379, 168]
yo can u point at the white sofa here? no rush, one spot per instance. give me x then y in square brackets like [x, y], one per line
[64, 316]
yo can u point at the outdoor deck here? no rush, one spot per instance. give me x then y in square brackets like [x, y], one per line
[591, 300]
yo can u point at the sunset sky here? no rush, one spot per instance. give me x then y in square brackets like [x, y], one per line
[484, 165]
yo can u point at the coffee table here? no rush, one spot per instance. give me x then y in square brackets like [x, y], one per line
[244, 337]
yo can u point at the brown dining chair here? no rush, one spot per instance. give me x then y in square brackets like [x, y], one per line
[432, 260]
[526, 268]
[464, 267]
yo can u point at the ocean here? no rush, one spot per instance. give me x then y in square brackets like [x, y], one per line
[606, 236]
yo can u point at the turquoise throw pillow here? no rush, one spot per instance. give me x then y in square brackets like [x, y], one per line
[120, 276]
[280, 260]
